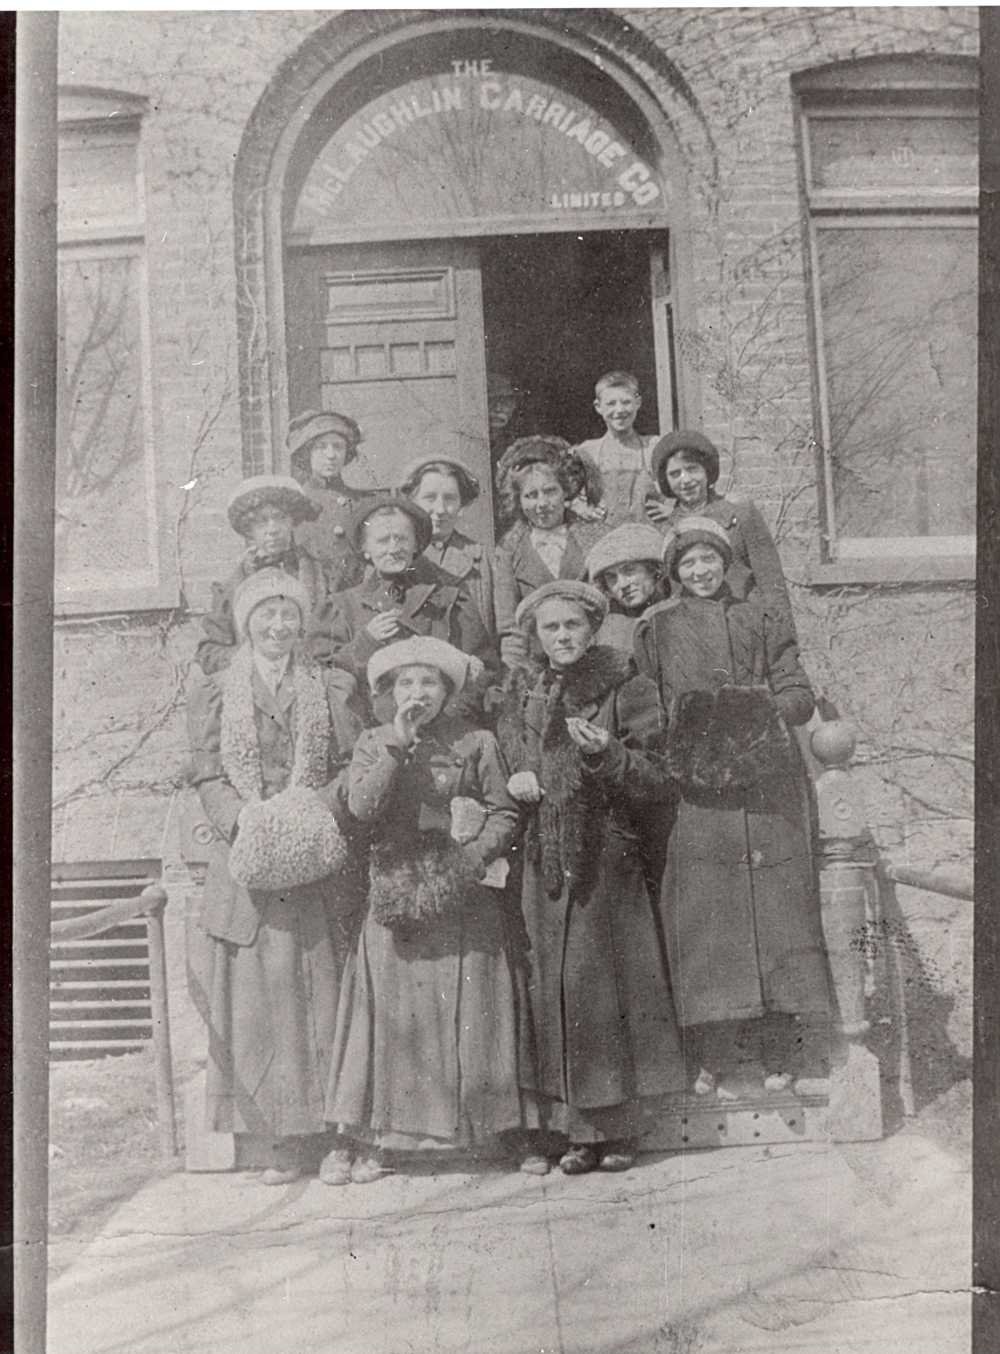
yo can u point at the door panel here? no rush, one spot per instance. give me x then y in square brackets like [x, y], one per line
[393, 336]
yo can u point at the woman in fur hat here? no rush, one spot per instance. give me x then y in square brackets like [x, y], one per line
[270, 738]
[266, 511]
[740, 898]
[686, 469]
[443, 486]
[627, 566]
[402, 594]
[320, 444]
[426, 1052]
[579, 730]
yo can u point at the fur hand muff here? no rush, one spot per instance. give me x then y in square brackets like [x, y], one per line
[291, 838]
[419, 880]
[728, 739]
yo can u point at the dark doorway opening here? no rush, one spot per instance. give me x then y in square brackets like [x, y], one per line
[560, 310]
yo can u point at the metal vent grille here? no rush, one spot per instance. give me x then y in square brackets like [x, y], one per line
[99, 1002]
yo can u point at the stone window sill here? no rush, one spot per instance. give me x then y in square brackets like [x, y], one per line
[892, 569]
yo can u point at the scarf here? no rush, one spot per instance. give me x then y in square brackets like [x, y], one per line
[240, 743]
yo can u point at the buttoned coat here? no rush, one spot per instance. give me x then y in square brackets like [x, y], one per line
[469, 561]
[328, 538]
[518, 570]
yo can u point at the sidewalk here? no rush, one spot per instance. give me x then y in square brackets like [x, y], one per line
[830, 1249]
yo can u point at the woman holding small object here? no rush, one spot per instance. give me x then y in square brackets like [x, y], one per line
[428, 1033]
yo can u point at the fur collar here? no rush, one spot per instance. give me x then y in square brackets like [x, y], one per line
[589, 680]
[240, 743]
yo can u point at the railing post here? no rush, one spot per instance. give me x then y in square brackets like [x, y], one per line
[156, 902]
[845, 887]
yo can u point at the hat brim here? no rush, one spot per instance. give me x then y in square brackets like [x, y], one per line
[422, 525]
[419, 651]
[296, 504]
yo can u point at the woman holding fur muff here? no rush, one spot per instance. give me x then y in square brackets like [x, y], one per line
[580, 730]
[271, 736]
[740, 897]
[426, 1053]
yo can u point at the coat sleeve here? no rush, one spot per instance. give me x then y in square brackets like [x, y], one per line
[632, 767]
[215, 650]
[786, 676]
[765, 562]
[503, 821]
[220, 800]
[372, 774]
[335, 639]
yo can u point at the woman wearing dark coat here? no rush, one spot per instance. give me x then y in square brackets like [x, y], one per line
[740, 896]
[579, 731]
[267, 723]
[320, 444]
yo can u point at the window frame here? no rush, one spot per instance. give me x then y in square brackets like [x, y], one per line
[870, 88]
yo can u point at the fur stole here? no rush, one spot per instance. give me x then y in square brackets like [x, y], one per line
[240, 746]
[728, 739]
[564, 838]
[418, 878]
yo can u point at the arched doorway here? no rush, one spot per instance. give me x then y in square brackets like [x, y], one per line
[462, 200]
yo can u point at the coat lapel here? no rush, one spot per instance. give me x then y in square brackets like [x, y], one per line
[278, 706]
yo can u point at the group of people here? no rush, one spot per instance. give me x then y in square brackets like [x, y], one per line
[512, 842]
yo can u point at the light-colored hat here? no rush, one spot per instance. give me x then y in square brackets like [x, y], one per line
[696, 531]
[468, 485]
[630, 541]
[280, 490]
[585, 595]
[260, 587]
[304, 428]
[422, 649]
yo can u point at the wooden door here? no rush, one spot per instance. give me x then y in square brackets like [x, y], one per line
[392, 334]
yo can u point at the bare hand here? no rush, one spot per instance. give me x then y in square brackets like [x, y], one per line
[475, 669]
[656, 511]
[588, 737]
[410, 715]
[383, 626]
[524, 787]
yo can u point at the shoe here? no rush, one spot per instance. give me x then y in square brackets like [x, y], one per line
[617, 1156]
[277, 1175]
[578, 1160]
[335, 1168]
[367, 1169]
[535, 1164]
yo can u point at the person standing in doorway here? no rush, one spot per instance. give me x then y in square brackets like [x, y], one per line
[622, 454]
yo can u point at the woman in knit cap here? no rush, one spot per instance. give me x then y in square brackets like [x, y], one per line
[627, 566]
[428, 1031]
[402, 594]
[740, 899]
[265, 510]
[320, 444]
[443, 487]
[686, 469]
[270, 739]
[539, 479]
[580, 731]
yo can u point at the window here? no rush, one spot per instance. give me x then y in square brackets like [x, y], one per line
[107, 539]
[890, 161]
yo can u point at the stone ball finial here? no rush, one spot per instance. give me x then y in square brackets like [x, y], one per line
[833, 742]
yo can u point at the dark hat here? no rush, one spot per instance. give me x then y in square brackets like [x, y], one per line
[280, 490]
[696, 531]
[689, 440]
[422, 525]
[304, 428]
[468, 485]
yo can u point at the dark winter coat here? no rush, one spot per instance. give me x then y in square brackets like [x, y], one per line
[468, 560]
[278, 956]
[740, 899]
[429, 1027]
[220, 643]
[604, 1022]
[328, 538]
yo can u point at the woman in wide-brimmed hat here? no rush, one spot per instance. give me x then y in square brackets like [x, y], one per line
[266, 511]
[443, 487]
[627, 566]
[686, 469]
[538, 481]
[321, 443]
[740, 900]
[270, 737]
[402, 594]
[428, 1035]
[580, 731]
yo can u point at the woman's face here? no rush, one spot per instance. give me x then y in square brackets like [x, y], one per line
[632, 583]
[542, 498]
[688, 480]
[328, 456]
[269, 531]
[701, 569]
[390, 543]
[439, 497]
[422, 686]
[274, 626]
[564, 631]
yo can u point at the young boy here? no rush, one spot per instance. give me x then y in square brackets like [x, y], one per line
[622, 454]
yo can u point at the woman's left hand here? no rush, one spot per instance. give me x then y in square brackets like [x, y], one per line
[588, 737]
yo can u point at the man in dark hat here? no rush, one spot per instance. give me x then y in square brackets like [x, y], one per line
[320, 444]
